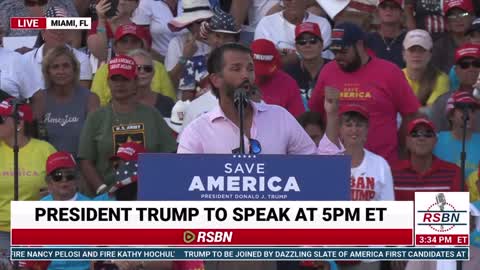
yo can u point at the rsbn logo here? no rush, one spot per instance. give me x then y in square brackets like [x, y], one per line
[441, 216]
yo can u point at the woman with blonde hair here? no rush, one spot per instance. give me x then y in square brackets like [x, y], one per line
[61, 108]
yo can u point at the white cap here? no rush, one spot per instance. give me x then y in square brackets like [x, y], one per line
[418, 37]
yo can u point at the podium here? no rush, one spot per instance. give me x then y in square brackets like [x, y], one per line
[219, 177]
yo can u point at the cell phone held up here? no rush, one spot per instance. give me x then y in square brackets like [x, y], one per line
[113, 8]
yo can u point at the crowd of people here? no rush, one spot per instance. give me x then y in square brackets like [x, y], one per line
[395, 84]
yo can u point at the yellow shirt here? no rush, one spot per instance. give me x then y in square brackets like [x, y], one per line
[441, 86]
[31, 163]
[472, 186]
[160, 83]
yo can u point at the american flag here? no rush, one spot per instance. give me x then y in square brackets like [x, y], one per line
[126, 174]
[195, 71]
[56, 12]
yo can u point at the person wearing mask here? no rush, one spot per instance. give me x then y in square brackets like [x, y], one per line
[427, 81]
[386, 43]
[374, 83]
[123, 120]
[63, 106]
[26, 77]
[467, 68]
[309, 45]
[449, 145]
[100, 36]
[129, 37]
[32, 155]
[276, 86]
[458, 15]
[279, 28]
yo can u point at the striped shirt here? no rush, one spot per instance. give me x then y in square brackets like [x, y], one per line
[442, 176]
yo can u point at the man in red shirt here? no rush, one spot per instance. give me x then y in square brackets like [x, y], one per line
[277, 87]
[423, 171]
[374, 83]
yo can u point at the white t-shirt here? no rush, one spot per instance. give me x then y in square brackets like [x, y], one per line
[175, 50]
[8, 59]
[282, 33]
[372, 180]
[199, 106]
[257, 11]
[28, 76]
[157, 14]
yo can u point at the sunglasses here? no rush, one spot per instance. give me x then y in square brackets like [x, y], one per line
[458, 16]
[426, 134]
[469, 64]
[311, 41]
[146, 68]
[57, 176]
[255, 148]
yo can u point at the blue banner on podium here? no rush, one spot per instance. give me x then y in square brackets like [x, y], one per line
[196, 177]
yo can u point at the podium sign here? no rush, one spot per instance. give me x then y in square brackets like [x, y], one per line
[196, 177]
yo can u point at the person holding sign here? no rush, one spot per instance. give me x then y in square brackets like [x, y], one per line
[269, 129]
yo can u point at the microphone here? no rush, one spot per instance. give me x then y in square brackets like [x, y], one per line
[441, 201]
[240, 96]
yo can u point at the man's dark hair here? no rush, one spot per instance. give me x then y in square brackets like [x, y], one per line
[311, 118]
[215, 61]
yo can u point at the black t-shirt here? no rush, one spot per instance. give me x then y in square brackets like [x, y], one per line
[303, 78]
[164, 105]
[388, 49]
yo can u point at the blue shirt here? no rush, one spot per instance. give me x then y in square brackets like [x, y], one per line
[73, 265]
[454, 81]
[448, 148]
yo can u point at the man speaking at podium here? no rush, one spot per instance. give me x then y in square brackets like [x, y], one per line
[268, 129]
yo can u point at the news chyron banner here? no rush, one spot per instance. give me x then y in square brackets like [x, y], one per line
[51, 23]
[224, 207]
